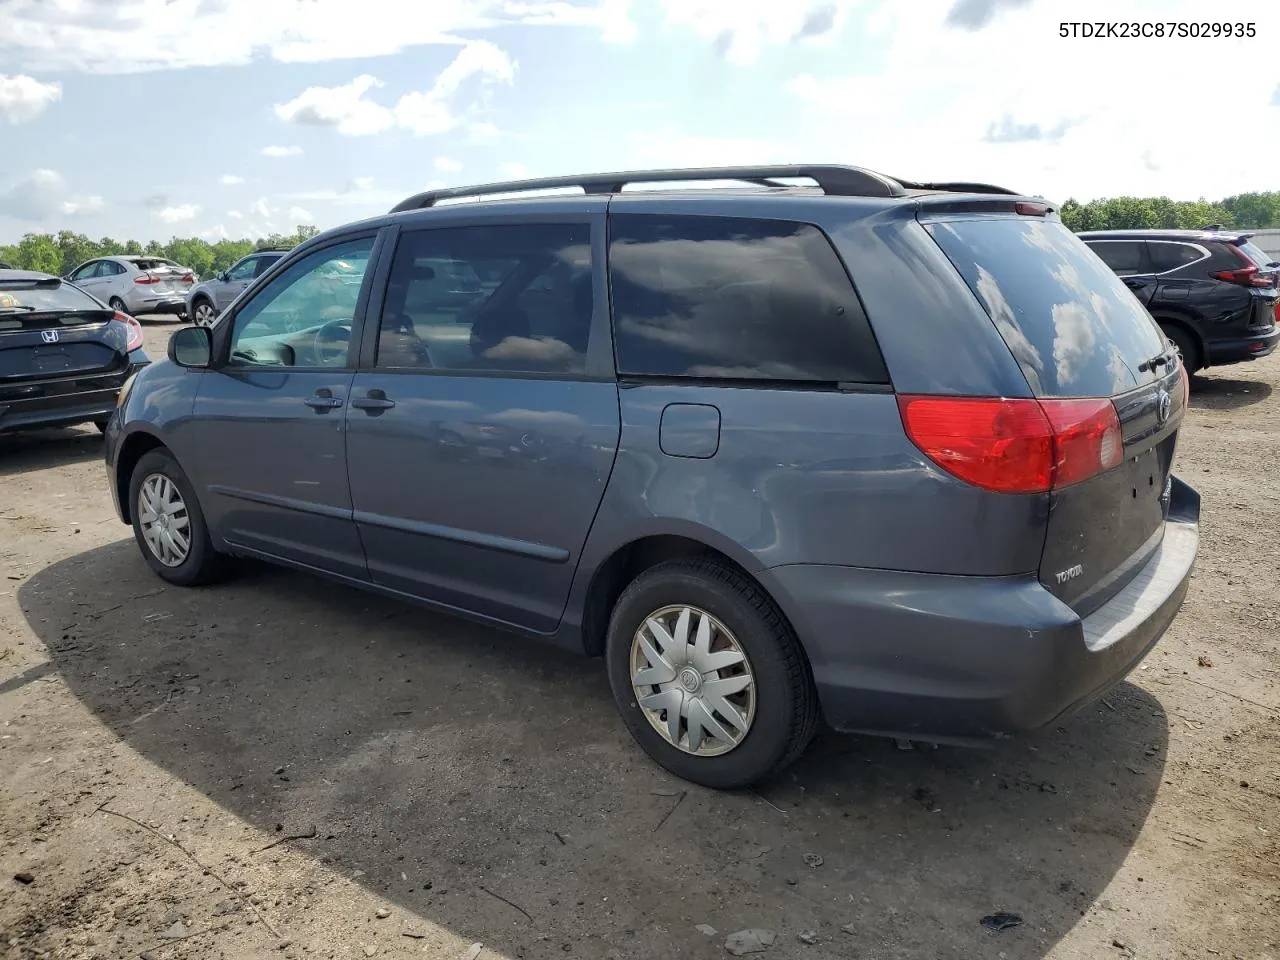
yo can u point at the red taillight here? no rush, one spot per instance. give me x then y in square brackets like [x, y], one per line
[1026, 208]
[1247, 276]
[1186, 387]
[133, 326]
[145, 278]
[188, 278]
[1015, 446]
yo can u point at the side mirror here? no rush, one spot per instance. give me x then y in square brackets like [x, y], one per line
[191, 347]
[225, 276]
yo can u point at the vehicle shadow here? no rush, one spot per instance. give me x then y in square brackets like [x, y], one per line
[25, 450]
[1227, 393]
[424, 747]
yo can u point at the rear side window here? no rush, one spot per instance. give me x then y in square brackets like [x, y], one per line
[1259, 256]
[1125, 257]
[735, 299]
[1071, 323]
[1167, 256]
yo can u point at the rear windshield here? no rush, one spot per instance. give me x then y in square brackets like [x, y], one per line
[20, 298]
[1070, 322]
[155, 264]
[1258, 255]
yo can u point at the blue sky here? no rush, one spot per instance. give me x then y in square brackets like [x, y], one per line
[154, 118]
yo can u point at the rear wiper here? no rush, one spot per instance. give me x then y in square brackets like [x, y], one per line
[19, 309]
[1160, 360]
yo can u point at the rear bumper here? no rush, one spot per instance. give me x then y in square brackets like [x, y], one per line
[1240, 349]
[64, 402]
[167, 304]
[970, 658]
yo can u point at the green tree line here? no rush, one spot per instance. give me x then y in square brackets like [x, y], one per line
[1247, 211]
[62, 252]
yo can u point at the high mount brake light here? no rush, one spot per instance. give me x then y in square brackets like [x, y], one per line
[1015, 445]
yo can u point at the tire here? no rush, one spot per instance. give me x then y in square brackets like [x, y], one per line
[115, 303]
[201, 564]
[1187, 346]
[782, 701]
[202, 313]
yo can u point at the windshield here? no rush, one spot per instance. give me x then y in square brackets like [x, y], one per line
[26, 297]
[1070, 322]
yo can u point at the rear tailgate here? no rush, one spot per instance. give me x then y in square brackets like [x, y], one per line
[46, 345]
[1078, 332]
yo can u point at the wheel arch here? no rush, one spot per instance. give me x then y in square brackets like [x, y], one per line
[629, 559]
[132, 449]
[1166, 318]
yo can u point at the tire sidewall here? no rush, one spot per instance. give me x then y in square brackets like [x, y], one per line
[195, 567]
[115, 303]
[767, 741]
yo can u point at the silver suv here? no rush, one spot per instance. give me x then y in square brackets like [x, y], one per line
[209, 298]
[136, 285]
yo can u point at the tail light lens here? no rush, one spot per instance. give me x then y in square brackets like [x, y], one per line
[189, 278]
[1248, 275]
[134, 328]
[1015, 446]
[145, 278]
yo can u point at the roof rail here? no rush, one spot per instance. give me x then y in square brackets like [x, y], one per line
[959, 186]
[837, 181]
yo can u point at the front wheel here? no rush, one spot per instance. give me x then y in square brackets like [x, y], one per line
[203, 313]
[168, 524]
[708, 675]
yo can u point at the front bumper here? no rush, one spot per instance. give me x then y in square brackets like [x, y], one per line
[34, 404]
[1240, 349]
[962, 659]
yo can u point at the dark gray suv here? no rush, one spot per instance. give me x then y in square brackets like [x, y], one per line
[896, 454]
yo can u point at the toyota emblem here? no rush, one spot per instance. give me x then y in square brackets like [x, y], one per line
[1164, 406]
[49, 336]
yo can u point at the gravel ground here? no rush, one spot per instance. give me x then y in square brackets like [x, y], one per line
[279, 767]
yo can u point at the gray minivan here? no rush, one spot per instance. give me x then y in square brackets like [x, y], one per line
[893, 453]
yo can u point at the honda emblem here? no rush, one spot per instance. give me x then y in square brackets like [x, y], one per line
[49, 336]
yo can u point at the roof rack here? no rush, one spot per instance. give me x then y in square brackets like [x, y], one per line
[836, 181]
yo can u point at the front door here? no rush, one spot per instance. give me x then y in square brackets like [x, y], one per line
[268, 419]
[238, 277]
[484, 421]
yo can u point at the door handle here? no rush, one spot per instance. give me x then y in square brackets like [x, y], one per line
[323, 399]
[374, 400]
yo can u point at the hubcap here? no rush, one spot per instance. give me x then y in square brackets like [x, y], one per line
[204, 314]
[163, 518]
[693, 681]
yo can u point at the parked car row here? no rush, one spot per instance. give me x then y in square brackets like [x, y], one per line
[1215, 294]
[894, 454]
[136, 284]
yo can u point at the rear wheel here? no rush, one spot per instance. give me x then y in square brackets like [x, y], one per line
[708, 676]
[202, 313]
[1186, 346]
[168, 524]
[115, 303]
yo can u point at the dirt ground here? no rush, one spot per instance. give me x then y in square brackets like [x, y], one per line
[280, 768]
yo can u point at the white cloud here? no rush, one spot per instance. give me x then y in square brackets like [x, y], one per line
[259, 208]
[448, 165]
[43, 196]
[230, 180]
[482, 133]
[178, 213]
[342, 107]
[434, 111]
[941, 104]
[164, 34]
[298, 215]
[513, 170]
[216, 233]
[276, 151]
[235, 214]
[24, 98]
[740, 30]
